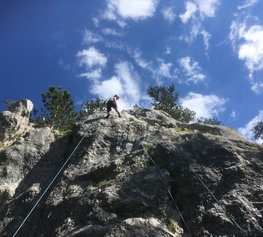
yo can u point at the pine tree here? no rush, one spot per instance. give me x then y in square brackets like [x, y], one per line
[58, 111]
[90, 107]
[166, 99]
[212, 121]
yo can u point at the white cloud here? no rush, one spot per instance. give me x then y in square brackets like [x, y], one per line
[168, 14]
[158, 69]
[168, 50]
[251, 51]
[90, 37]
[108, 88]
[247, 4]
[196, 11]
[206, 38]
[137, 55]
[111, 31]
[191, 69]
[91, 57]
[190, 9]
[247, 42]
[164, 69]
[93, 74]
[207, 8]
[247, 130]
[233, 114]
[96, 21]
[205, 106]
[130, 9]
[199, 8]
[126, 83]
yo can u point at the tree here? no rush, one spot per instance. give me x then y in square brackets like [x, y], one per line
[163, 98]
[90, 107]
[212, 121]
[59, 109]
[258, 130]
[166, 99]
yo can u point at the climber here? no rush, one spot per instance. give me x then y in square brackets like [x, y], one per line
[112, 103]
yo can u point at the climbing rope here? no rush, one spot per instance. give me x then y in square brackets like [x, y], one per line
[166, 184]
[213, 196]
[170, 194]
[50, 184]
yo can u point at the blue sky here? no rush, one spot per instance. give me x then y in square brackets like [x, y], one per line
[212, 50]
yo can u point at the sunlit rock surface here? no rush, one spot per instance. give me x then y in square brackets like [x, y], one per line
[112, 187]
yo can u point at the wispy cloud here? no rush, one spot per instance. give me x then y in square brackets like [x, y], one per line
[137, 55]
[190, 9]
[168, 14]
[66, 66]
[159, 68]
[111, 31]
[247, 130]
[93, 61]
[205, 106]
[92, 74]
[247, 42]
[199, 9]
[96, 21]
[207, 8]
[247, 4]
[164, 69]
[206, 38]
[130, 9]
[168, 50]
[91, 57]
[191, 69]
[125, 83]
[196, 11]
[233, 114]
[90, 37]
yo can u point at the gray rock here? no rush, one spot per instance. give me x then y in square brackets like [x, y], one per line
[131, 175]
[22, 107]
[15, 122]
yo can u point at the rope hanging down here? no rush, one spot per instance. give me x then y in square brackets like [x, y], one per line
[53, 180]
[213, 196]
[170, 194]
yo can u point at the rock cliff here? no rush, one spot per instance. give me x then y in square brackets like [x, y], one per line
[144, 174]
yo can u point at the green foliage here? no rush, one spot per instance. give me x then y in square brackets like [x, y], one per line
[90, 107]
[103, 182]
[182, 129]
[212, 121]
[163, 98]
[59, 110]
[171, 226]
[148, 149]
[183, 114]
[166, 99]
[258, 130]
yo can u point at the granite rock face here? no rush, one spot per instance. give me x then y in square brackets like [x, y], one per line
[144, 174]
[14, 123]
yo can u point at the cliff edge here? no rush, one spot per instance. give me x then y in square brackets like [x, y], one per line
[144, 174]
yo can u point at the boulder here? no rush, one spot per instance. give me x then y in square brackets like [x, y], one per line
[22, 107]
[15, 122]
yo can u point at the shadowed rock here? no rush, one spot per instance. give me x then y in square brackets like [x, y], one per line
[112, 188]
